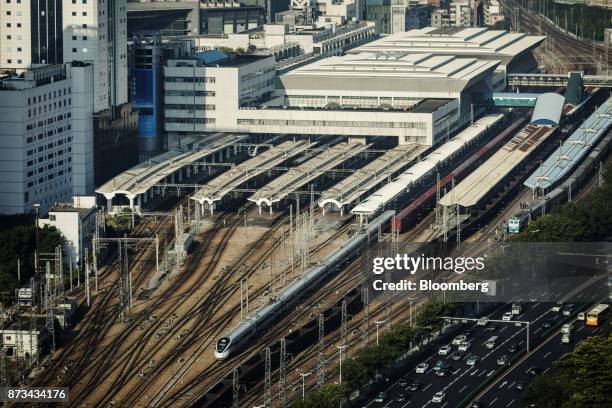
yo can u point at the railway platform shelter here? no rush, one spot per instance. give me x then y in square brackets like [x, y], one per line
[355, 186]
[217, 188]
[424, 168]
[289, 182]
[137, 182]
[573, 150]
[477, 185]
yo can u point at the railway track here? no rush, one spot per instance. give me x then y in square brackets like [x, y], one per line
[92, 330]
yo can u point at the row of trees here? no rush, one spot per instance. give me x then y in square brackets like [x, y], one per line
[588, 220]
[18, 243]
[362, 368]
[580, 379]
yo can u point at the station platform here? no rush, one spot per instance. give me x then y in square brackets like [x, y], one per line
[289, 182]
[424, 168]
[138, 181]
[363, 180]
[480, 182]
[573, 150]
[222, 185]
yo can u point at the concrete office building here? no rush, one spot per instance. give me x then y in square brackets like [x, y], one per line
[203, 93]
[46, 136]
[76, 221]
[166, 17]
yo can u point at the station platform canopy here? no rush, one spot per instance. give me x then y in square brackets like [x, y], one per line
[222, 185]
[142, 177]
[420, 170]
[289, 182]
[359, 183]
[480, 182]
[571, 152]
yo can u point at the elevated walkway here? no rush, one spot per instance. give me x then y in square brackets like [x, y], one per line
[138, 181]
[289, 182]
[220, 186]
[363, 180]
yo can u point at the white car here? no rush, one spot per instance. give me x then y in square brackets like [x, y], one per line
[438, 397]
[464, 346]
[507, 317]
[567, 328]
[557, 307]
[566, 338]
[459, 339]
[444, 350]
[422, 368]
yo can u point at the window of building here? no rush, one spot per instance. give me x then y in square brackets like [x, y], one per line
[84, 38]
[8, 37]
[74, 13]
[8, 24]
[84, 25]
[74, 50]
[9, 61]
[84, 13]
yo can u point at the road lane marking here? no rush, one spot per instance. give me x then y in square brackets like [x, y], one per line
[512, 384]
[462, 389]
[546, 370]
[428, 385]
[493, 402]
[444, 405]
[502, 384]
[547, 354]
[406, 404]
[511, 402]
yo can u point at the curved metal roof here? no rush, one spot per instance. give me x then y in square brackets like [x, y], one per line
[547, 111]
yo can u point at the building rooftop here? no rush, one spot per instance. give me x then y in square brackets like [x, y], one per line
[473, 42]
[217, 58]
[389, 71]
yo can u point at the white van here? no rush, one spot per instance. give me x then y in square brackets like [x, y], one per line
[490, 344]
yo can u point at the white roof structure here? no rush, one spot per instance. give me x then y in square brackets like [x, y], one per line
[472, 42]
[390, 191]
[307, 171]
[220, 186]
[479, 183]
[571, 152]
[397, 71]
[140, 178]
[357, 184]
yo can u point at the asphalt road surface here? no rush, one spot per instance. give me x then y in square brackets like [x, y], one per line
[459, 385]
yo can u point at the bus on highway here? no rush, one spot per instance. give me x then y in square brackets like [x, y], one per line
[595, 316]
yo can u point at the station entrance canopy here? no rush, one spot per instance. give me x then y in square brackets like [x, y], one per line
[139, 180]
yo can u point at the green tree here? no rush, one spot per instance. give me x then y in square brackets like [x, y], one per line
[581, 378]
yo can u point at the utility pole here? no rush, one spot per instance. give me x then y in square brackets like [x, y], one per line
[304, 375]
[268, 380]
[321, 352]
[235, 390]
[437, 197]
[4, 383]
[49, 318]
[87, 275]
[340, 350]
[343, 325]
[282, 375]
[366, 317]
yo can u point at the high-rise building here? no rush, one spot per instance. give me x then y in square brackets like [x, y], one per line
[46, 136]
[147, 57]
[69, 30]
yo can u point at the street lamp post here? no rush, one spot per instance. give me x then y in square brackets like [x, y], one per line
[378, 322]
[304, 375]
[341, 348]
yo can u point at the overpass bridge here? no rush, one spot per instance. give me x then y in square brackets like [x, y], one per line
[557, 80]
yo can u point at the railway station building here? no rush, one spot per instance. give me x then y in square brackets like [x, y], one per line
[418, 86]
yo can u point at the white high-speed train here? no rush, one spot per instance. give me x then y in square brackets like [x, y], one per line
[237, 338]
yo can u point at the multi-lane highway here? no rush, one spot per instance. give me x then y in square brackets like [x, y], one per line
[461, 382]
